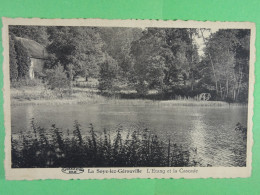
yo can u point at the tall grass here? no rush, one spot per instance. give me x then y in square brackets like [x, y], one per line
[53, 148]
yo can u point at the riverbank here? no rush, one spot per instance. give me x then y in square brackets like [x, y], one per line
[40, 95]
[136, 102]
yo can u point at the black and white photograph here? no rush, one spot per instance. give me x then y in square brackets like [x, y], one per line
[104, 96]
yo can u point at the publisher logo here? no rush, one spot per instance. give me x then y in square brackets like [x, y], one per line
[72, 170]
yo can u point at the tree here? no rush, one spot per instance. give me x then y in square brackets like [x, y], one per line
[163, 58]
[12, 59]
[241, 68]
[23, 60]
[108, 75]
[36, 33]
[210, 61]
[117, 43]
[79, 46]
[228, 53]
[192, 54]
[149, 60]
[57, 79]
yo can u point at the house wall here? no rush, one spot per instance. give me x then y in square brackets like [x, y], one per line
[36, 67]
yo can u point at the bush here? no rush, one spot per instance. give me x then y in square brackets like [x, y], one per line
[142, 88]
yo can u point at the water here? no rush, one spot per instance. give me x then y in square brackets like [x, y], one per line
[209, 129]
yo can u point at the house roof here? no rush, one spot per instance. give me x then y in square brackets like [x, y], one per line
[35, 49]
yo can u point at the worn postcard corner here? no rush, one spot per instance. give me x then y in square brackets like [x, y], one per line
[101, 99]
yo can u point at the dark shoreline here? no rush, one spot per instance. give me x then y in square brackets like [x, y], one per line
[122, 101]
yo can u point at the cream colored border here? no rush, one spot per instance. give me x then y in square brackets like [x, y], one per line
[56, 173]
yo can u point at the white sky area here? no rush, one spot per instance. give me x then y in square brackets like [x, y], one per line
[199, 40]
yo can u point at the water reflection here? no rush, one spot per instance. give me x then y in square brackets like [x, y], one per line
[210, 130]
[197, 135]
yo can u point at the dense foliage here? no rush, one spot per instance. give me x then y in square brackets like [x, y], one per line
[228, 53]
[163, 59]
[23, 60]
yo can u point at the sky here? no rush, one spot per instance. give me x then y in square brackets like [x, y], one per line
[199, 40]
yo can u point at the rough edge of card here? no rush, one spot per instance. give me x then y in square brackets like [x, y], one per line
[124, 173]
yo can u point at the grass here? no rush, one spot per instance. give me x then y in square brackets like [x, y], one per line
[138, 148]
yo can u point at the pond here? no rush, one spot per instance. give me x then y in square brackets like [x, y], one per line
[211, 130]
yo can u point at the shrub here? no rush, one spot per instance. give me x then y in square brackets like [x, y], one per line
[142, 88]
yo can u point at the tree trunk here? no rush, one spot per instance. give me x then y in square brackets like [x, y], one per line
[192, 81]
[240, 81]
[227, 88]
[191, 62]
[220, 89]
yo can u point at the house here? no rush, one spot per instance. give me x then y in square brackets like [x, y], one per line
[37, 54]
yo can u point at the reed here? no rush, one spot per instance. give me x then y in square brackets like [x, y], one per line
[139, 148]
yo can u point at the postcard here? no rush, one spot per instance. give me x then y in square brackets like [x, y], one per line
[102, 99]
